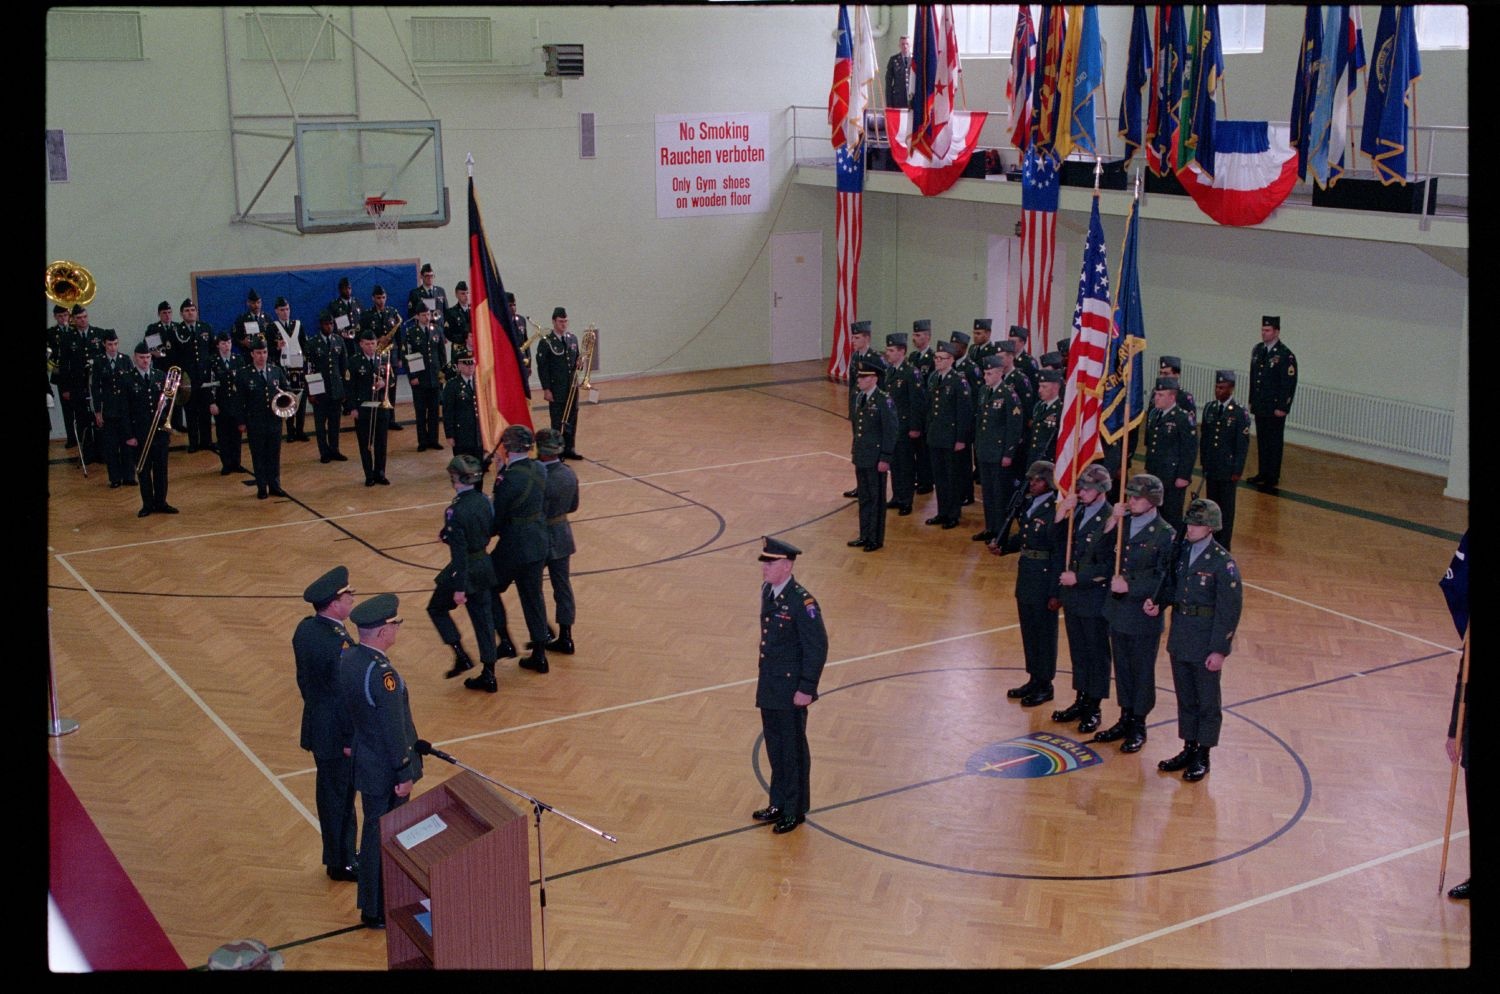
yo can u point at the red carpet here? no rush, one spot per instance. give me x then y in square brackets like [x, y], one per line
[111, 922]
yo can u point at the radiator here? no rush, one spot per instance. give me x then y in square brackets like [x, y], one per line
[1354, 417]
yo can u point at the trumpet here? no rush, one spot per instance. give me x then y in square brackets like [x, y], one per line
[167, 400]
[588, 344]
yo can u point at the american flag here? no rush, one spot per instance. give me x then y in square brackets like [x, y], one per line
[850, 223]
[1078, 436]
[1039, 188]
[1122, 405]
[1018, 86]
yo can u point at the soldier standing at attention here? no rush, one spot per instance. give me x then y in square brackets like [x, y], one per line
[948, 422]
[424, 362]
[368, 379]
[469, 577]
[258, 386]
[1273, 383]
[1135, 620]
[225, 403]
[998, 441]
[1083, 588]
[561, 501]
[461, 407]
[327, 727]
[145, 393]
[386, 763]
[1223, 444]
[326, 365]
[1205, 613]
[874, 419]
[556, 365]
[859, 344]
[793, 649]
[1037, 600]
[1045, 416]
[901, 385]
[109, 391]
[923, 365]
[1171, 448]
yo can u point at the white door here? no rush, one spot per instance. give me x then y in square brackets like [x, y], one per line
[1000, 283]
[796, 296]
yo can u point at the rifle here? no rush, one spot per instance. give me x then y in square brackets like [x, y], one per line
[1169, 578]
[1012, 511]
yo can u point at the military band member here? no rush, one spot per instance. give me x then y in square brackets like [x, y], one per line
[1040, 544]
[469, 577]
[875, 423]
[348, 317]
[386, 762]
[923, 365]
[226, 405]
[201, 334]
[327, 369]
[947, 421]
[110, 388]
[859, 345]
[1134, 618]
[1020, 335]
[998, 442]
[318, 644]
[171, 347]
[290, 353]
[556, 362]
[1045, 416]
[458, 319]
[424, 363]
[253, 323]
[521, 553]
[1171, 365]
[561, 501]
[520, 335]
[75, 355]
[145, 392]
[461, 407]
[1171, 448]
[1206, 606]
[904, 389]
[1223, 445]
[389, 330]
[428, 296]
[369, 373]
[1273, 384]
[259, 384]
[793, 650]
[1083, 587]
[57, 333]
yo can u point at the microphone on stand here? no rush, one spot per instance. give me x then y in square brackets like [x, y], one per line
[424, 748]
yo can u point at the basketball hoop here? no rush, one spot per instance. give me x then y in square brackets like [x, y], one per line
[387, 217]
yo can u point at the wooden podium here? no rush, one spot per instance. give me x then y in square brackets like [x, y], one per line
[476, 873]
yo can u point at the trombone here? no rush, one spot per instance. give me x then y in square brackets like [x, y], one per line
[382, 360]
[587, 345]
[167, 400]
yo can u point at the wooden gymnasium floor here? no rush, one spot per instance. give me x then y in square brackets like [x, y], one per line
[1314, 842]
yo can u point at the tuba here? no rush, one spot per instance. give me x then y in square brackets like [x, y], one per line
[67, 283]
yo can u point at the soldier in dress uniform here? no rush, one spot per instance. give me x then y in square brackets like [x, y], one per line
[1046, 416]
[521, 553]
[1273, 384]
[461, 407]
[348, 317]
[109, 392]
[173, 348]
[1134, 617]
[793, 649]
[428, 296]
[57, 332]
[425, 340]
[368, 376]
[1016, 380]
[1063, 344]
[1223, 445]
[859, 348]
[458, 319]
[252, 323]
[875, 422]
[561, 501]
[327, 365]
[947, 424]
[1020, 335]
[964, 366]
[1083, 587]
[85, 345]
[520, 336]
[144, 393]
[900, 383]
[389, 330]
[259, 385]
[997, 443]
[1171, 448]
[226, 405]
[200, 356]
[289, 351]
[923, 365]
[1171, 365]
[556, 364]
[318, 645]
[469, 577]
[1039, 542]
[1206, 600]
[386, 762]
[1054, 360]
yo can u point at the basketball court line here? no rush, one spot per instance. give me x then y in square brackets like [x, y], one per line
[1350, 617]
[1251, 903]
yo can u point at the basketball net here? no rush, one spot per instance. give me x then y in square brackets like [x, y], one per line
[387, 217]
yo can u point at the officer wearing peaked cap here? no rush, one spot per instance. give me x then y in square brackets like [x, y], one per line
[793, 649]
[859, 340]
[327, 726]
[386, 762]
[875, 422]
[1223, 446]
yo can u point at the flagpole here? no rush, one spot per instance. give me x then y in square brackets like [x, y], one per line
[1414, 131]
[469, 162]
[1463, 686]
[1125, 426]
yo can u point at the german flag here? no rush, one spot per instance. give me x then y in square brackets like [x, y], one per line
[495, 339]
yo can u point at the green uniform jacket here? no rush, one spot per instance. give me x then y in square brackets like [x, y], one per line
[1044, 422]
[384, 736]
[1144, 561]
[998, 425]
[258, 394]
[456, 324]
[430, 344]
[326, 356]
[793, 646]
[110, 387]
[875, 425]
[1093, 562]
[468, 524]
[223, 385]
[1040, 542]
[1206, 604]
[520, 521]
[1273, 378]
[327, 727]
[144, 395]
[854, 379]
[950, 411]
[361, 380]
[1223, 440]
[461, 413]
[556, 359]
[1171, 445]
[901, 384]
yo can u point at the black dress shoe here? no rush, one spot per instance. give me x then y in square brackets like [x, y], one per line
[563, 643]
[1136, 737]
[348, 873]
[1089, 721]
[1197, 769]
[905, 510]
[851, 493]
[484, 681]
[936, 519]
[855, 542]
[115, 485]
[461, 662]
[950, 523]
[505, 648]
[382, 480]
[1461, 892]
[1073, 711]
[396, 426]
[421, 446]
[246, 483]
[339, 457]
[923, 490]
[369, 481]
[768, 813]
[547, 644]
[786, 823]
[571, 454]
[241, 469]
[534, 664]
[874, 546]
[192, 449]
[892, 504]
[1116, 731]
[277, 492]
[226, 471]
[143, 512]
[1270, 490]
[165, 508]
[1179, 761]
[325, 460]
[1041, 695]
[260, 495]
[1257, 478]
[983, 536]
[966, 502]
[372, 921]
[1023, 689]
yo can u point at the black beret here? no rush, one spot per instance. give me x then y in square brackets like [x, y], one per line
[461, 285]
[343, 282]
[367, 335]
[325, 316]
[222, 336]
[1052, 360]
[59, 309]
[328, 586]
[282, 302]
[108, 335]
[255, 343]
[379, 291]
[773, 549]
[79, 309]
